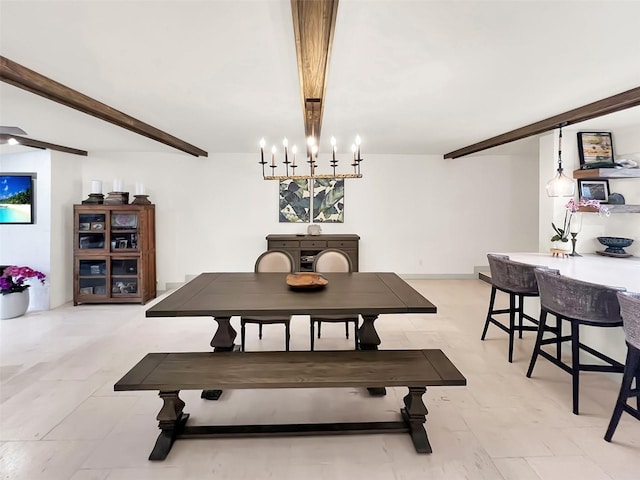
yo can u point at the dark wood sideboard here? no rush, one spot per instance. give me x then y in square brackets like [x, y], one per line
[304, 248]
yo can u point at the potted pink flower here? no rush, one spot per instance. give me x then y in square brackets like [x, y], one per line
[572, 207]
[14, 293]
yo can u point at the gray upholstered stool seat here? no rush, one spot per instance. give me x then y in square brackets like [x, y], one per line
[518, 281]
[630, 311]
[270, 261]
[581, 304]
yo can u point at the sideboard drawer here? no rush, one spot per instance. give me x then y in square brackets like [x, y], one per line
[313, 243]
[343, 244]
[283, 244]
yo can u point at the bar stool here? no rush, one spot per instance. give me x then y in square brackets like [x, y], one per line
[518, 281]
[581, 304]
[630, 310]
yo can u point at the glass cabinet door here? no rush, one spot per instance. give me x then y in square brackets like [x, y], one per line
[124, 276]
[124, 231]
[91, 231]
[92, 277]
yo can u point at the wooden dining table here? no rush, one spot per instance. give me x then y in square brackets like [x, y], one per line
[225, 295]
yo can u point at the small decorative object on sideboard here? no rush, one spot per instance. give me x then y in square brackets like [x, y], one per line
[615, 246]
[314, 229]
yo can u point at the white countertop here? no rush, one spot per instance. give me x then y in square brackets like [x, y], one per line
[611, 271]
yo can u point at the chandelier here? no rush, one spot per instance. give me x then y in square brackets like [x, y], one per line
[311, 158]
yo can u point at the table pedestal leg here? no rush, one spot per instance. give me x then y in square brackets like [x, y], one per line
[369, 340]
[222, 341]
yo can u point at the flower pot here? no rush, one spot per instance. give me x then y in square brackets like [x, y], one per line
[14, 304]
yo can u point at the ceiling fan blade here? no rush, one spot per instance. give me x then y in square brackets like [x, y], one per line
[12, 130]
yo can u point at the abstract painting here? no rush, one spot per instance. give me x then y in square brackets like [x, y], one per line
[295, 201]
[328, 200]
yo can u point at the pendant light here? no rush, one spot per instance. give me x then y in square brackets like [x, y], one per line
[560, 185]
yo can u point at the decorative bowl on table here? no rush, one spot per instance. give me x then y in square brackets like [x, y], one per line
[615, 245]
[306, 281]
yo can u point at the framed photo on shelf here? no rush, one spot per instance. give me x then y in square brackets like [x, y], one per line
[84, 226]
[594, 190]
[122, 244]
[595, 147]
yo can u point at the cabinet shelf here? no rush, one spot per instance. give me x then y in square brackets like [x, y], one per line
[596, 173]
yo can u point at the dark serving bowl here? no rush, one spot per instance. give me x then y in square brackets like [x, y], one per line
[615, 244]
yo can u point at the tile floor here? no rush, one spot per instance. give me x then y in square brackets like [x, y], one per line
[61, 419]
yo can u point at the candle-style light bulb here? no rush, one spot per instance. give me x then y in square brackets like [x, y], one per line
[273, 156]
[358, 145]
[285, 143]
[311, 141]
[333, 148]
[262, 144]
[294, 150]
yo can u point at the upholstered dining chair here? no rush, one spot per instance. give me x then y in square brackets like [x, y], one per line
[630, 311]
[582, 304]
[333, 260]
[270, 261]
[518, 281]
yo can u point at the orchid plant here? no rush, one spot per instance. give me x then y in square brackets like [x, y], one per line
[572, 207]
[13, 278]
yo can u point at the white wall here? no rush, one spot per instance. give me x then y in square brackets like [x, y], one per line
[416, 215]
[30, 244]
[66, 189]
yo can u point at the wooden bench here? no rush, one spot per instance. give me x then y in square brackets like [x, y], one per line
[171, 372]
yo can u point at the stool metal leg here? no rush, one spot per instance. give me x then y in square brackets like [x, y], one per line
[631, 370]
[575, 363]
[489, 313]
[512, 323]
[536, 348]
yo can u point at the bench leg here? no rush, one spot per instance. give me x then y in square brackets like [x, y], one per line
[222, 341]
[171, 422]
[414, 414]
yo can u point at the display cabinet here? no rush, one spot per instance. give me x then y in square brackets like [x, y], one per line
[114, 254]
[304, 248]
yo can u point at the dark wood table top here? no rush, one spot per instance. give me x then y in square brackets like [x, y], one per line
[231, 294]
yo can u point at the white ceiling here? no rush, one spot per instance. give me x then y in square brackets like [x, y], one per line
[411, 77]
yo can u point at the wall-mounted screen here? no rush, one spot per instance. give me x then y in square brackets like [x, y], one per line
[16, 198]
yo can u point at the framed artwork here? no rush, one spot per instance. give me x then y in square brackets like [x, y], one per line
[16, 198]
[594, 190]
[295, 201]
[595, 147]
[328, 200]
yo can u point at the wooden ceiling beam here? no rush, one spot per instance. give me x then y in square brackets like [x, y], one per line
[313, 26]
[30, 142]
[22, 77]
[615, 103]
